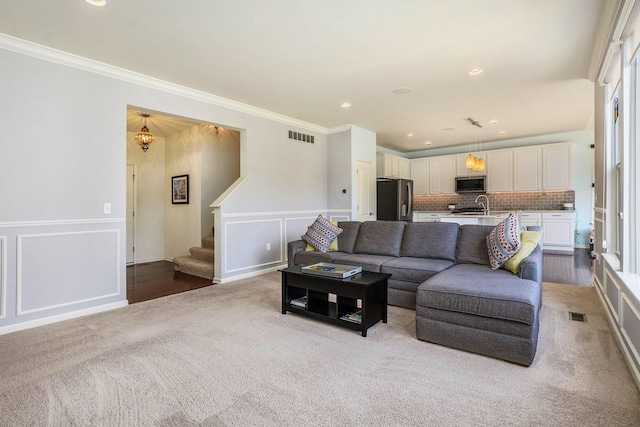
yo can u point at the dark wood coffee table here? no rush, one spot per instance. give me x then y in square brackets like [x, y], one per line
[366, 291]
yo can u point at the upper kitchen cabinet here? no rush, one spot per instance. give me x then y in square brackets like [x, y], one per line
[390, 166]
[448, 174]
[420, 175]
[499, 170]
[433, 175]
[461, 164]
[527, 169]
[557, 167]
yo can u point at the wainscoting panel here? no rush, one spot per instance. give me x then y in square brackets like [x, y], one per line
[612, 292]
[3, 277]
[252, 244]
[630, 326]
[294, 228]
[48, 274]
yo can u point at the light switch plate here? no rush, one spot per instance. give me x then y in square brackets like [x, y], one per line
[107, 208]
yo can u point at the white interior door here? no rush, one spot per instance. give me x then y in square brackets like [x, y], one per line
[365, 191]
[131, 197]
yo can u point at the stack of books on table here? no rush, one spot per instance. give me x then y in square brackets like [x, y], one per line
[299, 302]
[354, 316]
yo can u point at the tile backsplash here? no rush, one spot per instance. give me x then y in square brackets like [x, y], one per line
[534, 200]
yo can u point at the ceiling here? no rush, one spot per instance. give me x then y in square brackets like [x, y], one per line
[304, 59]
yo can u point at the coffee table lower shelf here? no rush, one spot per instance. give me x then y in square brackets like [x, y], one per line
[365, 291]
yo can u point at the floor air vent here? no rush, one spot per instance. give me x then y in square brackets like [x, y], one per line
[577, 317]
[298, 136]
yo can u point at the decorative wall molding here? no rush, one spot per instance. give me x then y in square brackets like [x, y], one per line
[3, 277]
[20, 255]
[54, 222]
[226, 250]
[283, 213]
[64, 58]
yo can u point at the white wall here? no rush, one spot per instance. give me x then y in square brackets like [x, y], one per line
[220, 168]
[150, 194]
[60, 182]
[182, 226]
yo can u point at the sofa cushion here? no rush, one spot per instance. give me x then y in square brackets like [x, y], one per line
[414, 269]
[366, 261]
[379, 238]
[347, 239]
[313, 257]
[478, 290]
[430, 240]
[472, 246]
[321, 233]
[503, 241]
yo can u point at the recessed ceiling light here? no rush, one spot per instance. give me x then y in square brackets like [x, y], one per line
[493, 122]
[402, 90]
[99, 3]
[428, 143]
[502, 132]
[475, 71]
[410, 135]
[345, 105]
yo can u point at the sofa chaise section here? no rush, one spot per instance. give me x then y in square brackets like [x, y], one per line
[474, 308]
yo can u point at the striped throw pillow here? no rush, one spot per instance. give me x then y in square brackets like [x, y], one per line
[503, 241]
[321, 233]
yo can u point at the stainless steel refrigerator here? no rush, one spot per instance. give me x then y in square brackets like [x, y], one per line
[395, 199]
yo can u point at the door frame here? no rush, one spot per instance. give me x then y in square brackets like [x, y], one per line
[130, 216]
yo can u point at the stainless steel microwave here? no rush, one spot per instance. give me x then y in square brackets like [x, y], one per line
[471, 184]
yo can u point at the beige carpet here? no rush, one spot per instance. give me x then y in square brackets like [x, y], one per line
[225, 355]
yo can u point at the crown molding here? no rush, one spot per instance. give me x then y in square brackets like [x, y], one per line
[70, 60]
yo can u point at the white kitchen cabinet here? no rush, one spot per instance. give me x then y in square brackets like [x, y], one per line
[435, 175]
[529, 219]
[391, 166]
[448, 174]
[527, 169]
[404, 168]
[558, 231]
[420, 175]
[557, 167]
[499, 169]
[461, 166]
[427, 216]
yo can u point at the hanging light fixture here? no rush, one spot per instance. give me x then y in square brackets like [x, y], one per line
[472, 162]
[144, 138]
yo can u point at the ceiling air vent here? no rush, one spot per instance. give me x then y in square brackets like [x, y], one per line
[301, 137]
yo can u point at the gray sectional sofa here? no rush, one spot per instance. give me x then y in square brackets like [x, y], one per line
[442, 271]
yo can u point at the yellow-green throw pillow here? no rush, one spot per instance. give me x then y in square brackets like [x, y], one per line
[332, 247]
[528, 242]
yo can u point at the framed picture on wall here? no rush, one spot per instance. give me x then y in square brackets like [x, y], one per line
[180, 189]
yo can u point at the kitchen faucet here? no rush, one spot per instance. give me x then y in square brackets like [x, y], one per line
[484, 206]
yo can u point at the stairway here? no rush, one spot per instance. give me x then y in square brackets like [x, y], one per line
[200, 262]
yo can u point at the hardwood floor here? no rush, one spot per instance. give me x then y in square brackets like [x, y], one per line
[157, 279]
[575, 269]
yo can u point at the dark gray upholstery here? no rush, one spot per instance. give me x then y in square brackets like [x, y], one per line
[312, 257]
[379, 238]
[442, 271]
[347, 239]
[472, 244]
[366, 261]
[414, 269]
[501, 346]
[477, 290]
[430, 240]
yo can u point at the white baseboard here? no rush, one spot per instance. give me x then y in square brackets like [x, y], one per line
[59, 318]
[247, 275]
